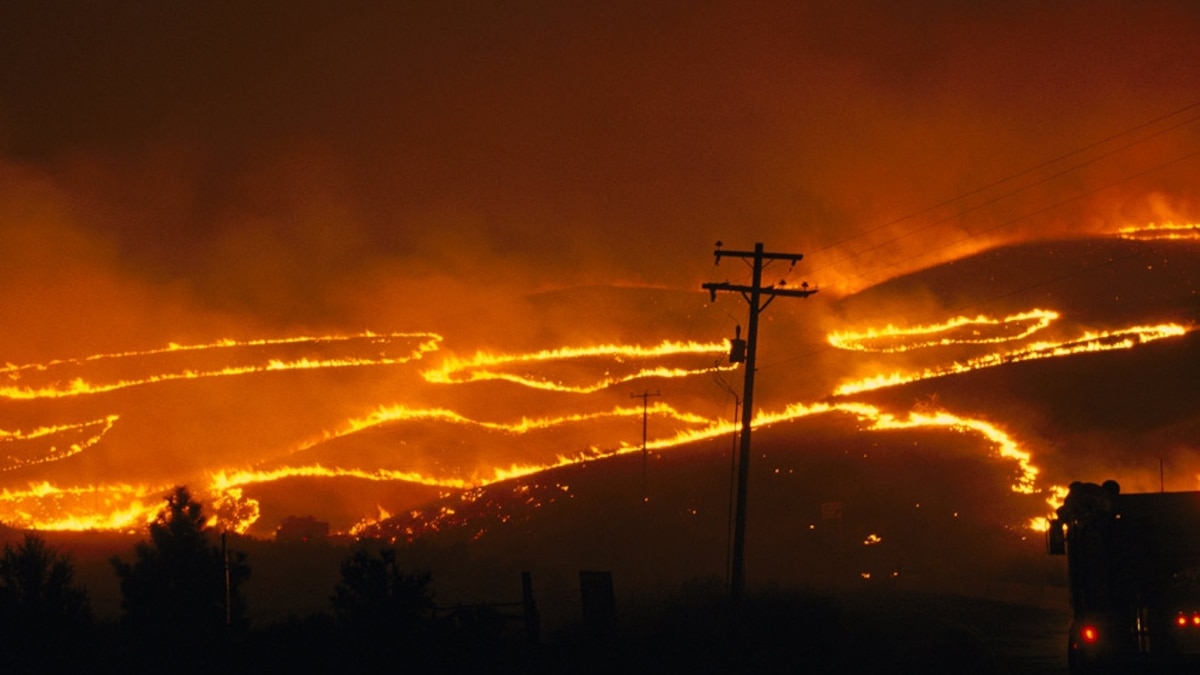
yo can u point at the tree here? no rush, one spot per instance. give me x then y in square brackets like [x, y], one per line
[42, 610]
[387, 610]
[181, 590]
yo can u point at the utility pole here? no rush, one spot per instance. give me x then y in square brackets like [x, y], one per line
[754, 295]
[228, 592]
[645, 396]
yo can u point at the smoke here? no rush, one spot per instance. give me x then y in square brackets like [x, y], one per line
[273, 161]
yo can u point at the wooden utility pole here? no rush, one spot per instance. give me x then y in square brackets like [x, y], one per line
[754, 295]
[645, 396]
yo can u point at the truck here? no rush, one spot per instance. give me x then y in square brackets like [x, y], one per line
[1133, 571]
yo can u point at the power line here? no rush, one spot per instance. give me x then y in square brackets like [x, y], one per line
[949, 244]
[1025, 172]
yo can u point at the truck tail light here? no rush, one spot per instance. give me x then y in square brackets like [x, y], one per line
[1183, 619]
[1089, 634]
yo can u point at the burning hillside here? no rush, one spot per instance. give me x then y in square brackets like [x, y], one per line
[91, 442]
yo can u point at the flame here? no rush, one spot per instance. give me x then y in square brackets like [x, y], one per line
[1161, 231]
[226, 480]
[129, 507]
[92, 432]
[125, 507]
[118, 507]
[233, 511]
[484, 366]
[386, 414]
[1091, 341]
[360, 528]
[226, 486]
[1005, 446]
[918, 337]
[79, 386]
[1056, 495]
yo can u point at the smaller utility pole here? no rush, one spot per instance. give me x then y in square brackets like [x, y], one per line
[645, 396]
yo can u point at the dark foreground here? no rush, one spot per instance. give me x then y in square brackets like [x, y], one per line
[890, 632]
[691, 632]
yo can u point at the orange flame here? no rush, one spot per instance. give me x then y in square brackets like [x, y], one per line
[124, 507]
[79, 386]
[897, 339]
[118, 507]
[486, 366]
[1161, 231]
[1091, 341]
[92, 432]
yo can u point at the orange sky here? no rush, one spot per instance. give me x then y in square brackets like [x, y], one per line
[290, 166]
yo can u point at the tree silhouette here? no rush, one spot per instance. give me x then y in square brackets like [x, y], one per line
[176, 592]
[42, 611]
[385, 611]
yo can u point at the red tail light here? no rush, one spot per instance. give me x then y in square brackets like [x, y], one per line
[1183, 619]
[1089, 634]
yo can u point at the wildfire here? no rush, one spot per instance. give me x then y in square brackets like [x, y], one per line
[118, 507]
[88, 434]
[226, 480]
[873, 419]
[361, 527]
[1161, 231]
[1091, 341]
[386, 414]
[569, 370]
[1057, 494]
[957, 331]
[124, 507]
[53, 386]
[500, 367]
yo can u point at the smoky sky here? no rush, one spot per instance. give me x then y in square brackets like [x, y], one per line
[380, 164]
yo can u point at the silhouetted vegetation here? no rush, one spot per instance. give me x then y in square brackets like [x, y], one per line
[371, 608]
[180, 595]
[376, 594]
[43, 613]
[385, 612]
